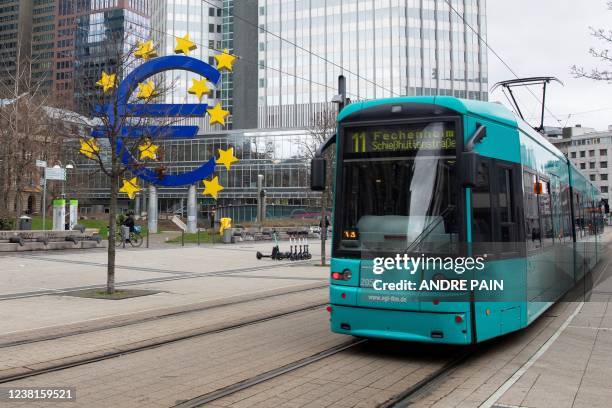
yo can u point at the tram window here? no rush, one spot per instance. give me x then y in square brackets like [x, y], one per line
[566, 213]
[578, 220]
[505, 203]
[545, 210]
[481, 206]
[532, 220]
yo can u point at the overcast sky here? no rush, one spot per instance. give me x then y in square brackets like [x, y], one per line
[547, 37]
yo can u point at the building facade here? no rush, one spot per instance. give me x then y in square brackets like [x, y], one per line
[15, 40]
[591, 152]
[278, 155]
[384, 48]
[104, 33]
[171, 19]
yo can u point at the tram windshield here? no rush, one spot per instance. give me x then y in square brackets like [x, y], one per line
[399, 190]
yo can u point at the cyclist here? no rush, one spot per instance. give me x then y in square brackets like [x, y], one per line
[129, 222]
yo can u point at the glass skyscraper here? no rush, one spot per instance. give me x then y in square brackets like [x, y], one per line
[383, 47]
[202, 21]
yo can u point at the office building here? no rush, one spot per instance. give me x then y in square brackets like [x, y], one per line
[276, 154]
[384, 48]
[591, 152]
[102, 31]
[15, 40]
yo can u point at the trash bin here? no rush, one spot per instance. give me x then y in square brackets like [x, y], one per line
[226, 238]
[25, 223]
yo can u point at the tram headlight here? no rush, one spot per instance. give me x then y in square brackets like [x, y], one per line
[344, 275]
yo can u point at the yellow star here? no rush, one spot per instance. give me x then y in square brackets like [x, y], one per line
[225, 60]
[217, 115]
[199, 88]
[184, 45]
[130, 187]
[212, 187]
[147, 90]
[89, 148]
[107, 82]
[145, 50]
[148, 150]
[226, 157]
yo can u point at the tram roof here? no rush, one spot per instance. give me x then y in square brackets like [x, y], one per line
[490, 110]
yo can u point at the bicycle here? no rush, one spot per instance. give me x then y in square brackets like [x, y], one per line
[135, 238]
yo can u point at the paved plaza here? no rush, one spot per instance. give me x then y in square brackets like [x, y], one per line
[219, 317]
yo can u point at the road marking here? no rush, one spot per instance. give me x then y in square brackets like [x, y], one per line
[590, 328]
[489, 403]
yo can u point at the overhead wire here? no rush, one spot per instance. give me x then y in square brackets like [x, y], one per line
[496, 54]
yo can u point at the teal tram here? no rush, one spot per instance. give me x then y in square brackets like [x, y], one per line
[439, 178]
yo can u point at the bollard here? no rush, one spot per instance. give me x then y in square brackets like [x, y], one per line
[198, 232]
[182, 238]
[147, 237]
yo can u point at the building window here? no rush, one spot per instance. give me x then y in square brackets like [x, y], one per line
[582, 154]
[603, 177]
[211, 28]
[591, 165]
[603, 165]
[211, 44]
[603, 152]
[573, 155]
[591, 153]
[604, 189]
[592, 177]
[582, 166]
[211, 12]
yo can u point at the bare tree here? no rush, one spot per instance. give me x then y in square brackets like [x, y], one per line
[29, 130]
[124, 135]
[322, 128]
[602, 54]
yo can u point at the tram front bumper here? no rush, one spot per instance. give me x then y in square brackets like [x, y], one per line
[427, 327]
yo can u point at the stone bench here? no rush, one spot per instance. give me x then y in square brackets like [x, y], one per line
[46, 240]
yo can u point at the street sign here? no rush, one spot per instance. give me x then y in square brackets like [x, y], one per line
[55, 173]
[41, 163]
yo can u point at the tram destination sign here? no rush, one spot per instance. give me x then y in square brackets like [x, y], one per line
[404, 139]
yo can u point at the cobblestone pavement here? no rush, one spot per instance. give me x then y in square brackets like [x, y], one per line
[562, 360]
[181, 276]
[161, 377]
[24, 358]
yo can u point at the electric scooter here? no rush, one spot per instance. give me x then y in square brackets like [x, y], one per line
[276, 253]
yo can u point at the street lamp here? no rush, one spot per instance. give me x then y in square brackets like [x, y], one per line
[71, 165]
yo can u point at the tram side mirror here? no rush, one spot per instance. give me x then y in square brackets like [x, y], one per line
[469, 169]
[318, 167]
[469, 158]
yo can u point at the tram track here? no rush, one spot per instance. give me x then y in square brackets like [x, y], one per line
[404, 398]
[176, 275]
[120, 351]
[268, 375]
[156, 317]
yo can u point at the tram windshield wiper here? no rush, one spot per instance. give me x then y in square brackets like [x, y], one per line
[429, 228]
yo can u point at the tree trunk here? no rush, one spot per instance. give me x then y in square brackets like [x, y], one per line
[323, 228]
[112, 226]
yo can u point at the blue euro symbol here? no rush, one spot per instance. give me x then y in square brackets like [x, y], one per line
[125, 90]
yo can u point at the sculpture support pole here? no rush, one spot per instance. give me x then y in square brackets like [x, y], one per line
[192, 215]
[152, 213]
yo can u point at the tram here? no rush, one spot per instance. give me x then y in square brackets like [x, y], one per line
[449, 179]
